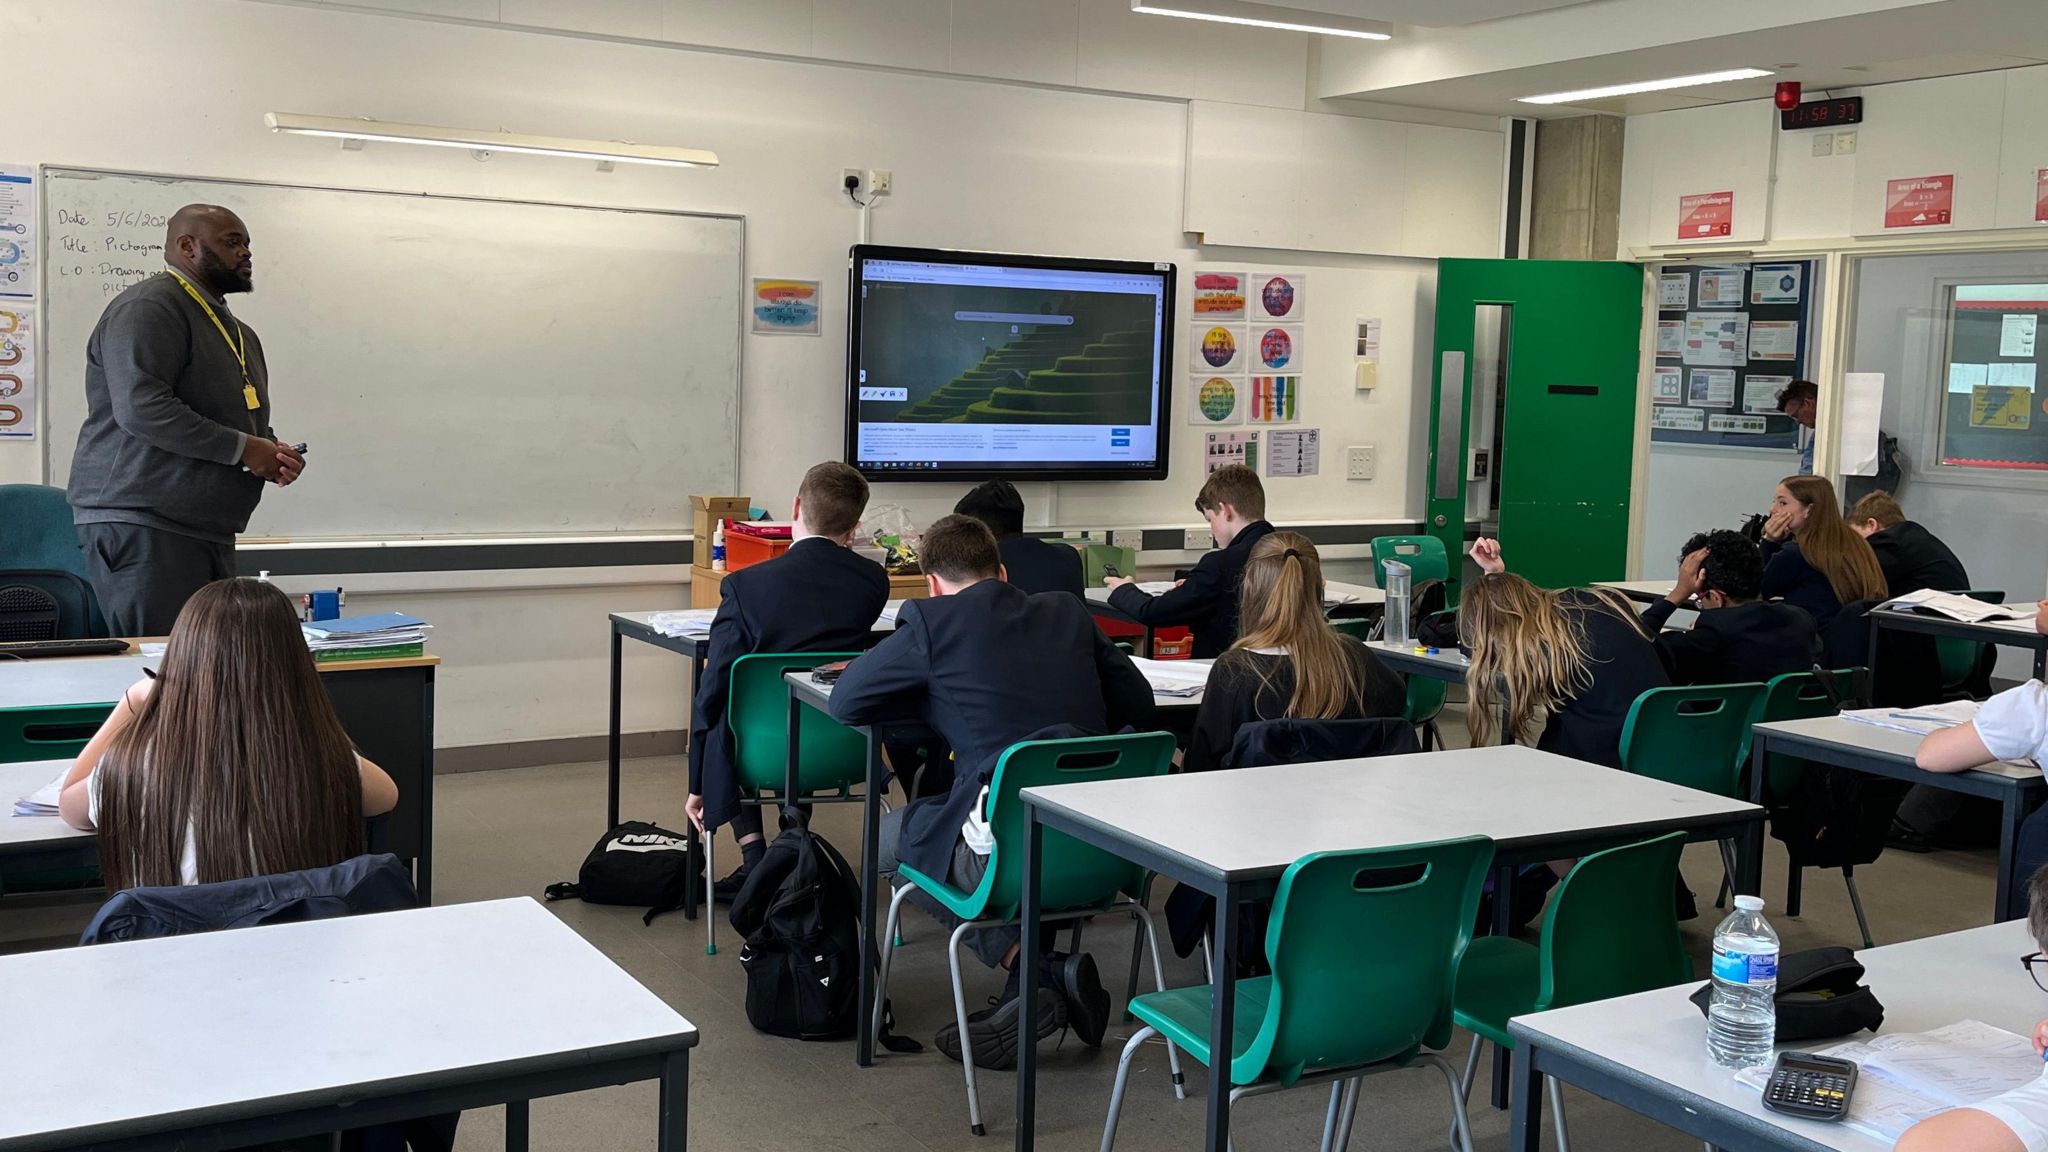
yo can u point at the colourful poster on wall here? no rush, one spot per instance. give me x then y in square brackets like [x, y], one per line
[1706, 215]
[17, 370]
[1279, 296]
[786, 307]
[1276, 348]
[1218, 295]
[1274, 400]
[1215, 400]
[1920, 202]
[1224, 448]
[1217, 348]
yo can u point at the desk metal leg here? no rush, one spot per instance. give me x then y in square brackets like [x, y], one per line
[1525, 1118]
[870, 880]
[611, 796]
[2041, 662]
[675, 1102]
[515, 1125]
[1028, 947]
[1222, 1018]
[1749, 843]
[423, 868]
[1503, 927]
[1870, 656]
[2011, 900]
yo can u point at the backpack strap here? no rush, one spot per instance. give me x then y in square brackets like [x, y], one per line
[566, 890]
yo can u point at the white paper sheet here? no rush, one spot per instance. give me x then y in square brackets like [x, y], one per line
[1774, 283]
[1667, 385]
[1674, 290]
[1711, 388]
[1721, 287]
[2016, 333]
[1717, 339]
[1967, 378]
[1760, 393]
[1774, 340]
[1670, 337]
[2010, 376]
[1862, 407]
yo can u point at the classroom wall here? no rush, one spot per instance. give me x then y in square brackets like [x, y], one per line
[180, 86]
[1698, 488]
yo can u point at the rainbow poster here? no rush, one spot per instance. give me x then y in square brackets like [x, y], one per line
[786, 307]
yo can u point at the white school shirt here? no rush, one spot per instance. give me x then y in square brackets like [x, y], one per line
[2014, 723]
[2025, 1108]
[188, 860]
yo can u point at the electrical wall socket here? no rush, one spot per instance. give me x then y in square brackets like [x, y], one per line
[1845, 143]
[1132, 538]
[1359, 462]
[859, 178]
[879, 180]
[1198, 540]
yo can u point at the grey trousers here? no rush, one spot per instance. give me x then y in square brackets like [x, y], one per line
[990, 944]
[143, 576]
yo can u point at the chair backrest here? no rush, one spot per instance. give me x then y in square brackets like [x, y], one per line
[47, 604]
[369, 883]
[1264, 742]
[37, 535]
[1694, 737]
[1424, 555]
[1364, 948]
[1801, 696]
[1966, 665]
[52, 732]
[1611, 928]
[1094, 556]
[757, 714]
[1070, 874]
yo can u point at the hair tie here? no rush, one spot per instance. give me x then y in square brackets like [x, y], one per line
[1290, 553]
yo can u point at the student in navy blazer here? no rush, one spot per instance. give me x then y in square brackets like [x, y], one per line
[986, 664]
[1812, 558]
[1030, 563]
[820, 596]
[1234, 503]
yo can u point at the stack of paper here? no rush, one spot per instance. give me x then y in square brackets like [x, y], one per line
[1919, 721]
[690, 623]
[42, 801]
[1906, 1077]
[380, 636]
[1178, 678]
[1156, 587]
[1929, 602]
[889, 611]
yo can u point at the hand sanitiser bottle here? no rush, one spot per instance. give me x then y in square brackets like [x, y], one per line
[1742, 1018]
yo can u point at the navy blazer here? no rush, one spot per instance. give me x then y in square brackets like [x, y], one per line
[986, 668]
[816, 597]
[1736, 644]
[1206, 601]
[1625, 665]
[1788, 577]
[1914, 558]
[1038, 565]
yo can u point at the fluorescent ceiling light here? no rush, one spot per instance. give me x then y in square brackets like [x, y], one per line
[1585, 94]
[345, 129]
[1267, 16]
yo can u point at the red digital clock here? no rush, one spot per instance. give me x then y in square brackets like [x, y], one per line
[1822, 113]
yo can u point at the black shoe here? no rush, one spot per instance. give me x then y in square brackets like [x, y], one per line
[1087, 1000]
[725, 890]
[992, 1032]
[1906, 838]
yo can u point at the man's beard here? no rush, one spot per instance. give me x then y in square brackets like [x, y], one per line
[220, 279]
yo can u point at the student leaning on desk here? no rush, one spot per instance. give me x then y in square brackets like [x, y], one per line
[2018, 1120]
[230, 762]
[1234, 503]
[2013, 725]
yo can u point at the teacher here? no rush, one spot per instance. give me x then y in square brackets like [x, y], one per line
[177, 442]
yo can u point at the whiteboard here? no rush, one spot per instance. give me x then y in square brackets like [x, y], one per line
[458, 367]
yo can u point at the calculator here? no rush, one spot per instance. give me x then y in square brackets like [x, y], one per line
[1810, 1086]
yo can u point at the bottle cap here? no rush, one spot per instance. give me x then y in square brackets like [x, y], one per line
[1750, 903]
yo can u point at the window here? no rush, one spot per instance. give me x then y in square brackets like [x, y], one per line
[1990, 408]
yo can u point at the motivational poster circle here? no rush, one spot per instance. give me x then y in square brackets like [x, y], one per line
[1219, 346]
[1276, 348]
[1217, 398]
[1277, 296]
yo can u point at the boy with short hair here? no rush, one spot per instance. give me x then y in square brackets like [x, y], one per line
[1234, 503]
[986, 665]
[1032, 564]
[819, 596]
[1737, 637]
[1912, 557]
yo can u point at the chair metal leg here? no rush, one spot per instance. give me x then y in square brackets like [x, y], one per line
[960, 1018]
[1151, 935]
[888, 954]
[1330, 1116]
[1728, 868]
[1721, 897]
[710, 902]
[1556, 1091]
[1461, 1122]
[1137, 957]
[1856, 902]
[1795, 874]
[1351, 1090]
[1074, 942]
[1465, 1081]
[1123, 1078]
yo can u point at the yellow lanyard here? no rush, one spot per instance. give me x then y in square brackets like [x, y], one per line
[238, 343]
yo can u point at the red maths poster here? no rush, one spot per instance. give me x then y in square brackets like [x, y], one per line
[1920, 202]
[1706, 215]
[2041, 195]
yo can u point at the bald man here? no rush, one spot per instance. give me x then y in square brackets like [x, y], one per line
[177, 442]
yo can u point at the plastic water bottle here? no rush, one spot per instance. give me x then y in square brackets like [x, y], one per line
[1742, 1018]
[1396, 631]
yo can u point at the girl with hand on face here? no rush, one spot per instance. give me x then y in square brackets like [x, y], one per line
[1812, 558]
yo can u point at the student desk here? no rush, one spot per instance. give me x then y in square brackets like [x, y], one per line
[1647, 1052]
[2006, 633]
[387, 707]
[1336, 594]
[38, 843]
[1640, 591]
[634, 626]
[1883, 752]
[227, 1039]
[1232, 835]
[805, 692]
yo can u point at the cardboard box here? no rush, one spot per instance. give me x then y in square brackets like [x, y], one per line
[706, 511]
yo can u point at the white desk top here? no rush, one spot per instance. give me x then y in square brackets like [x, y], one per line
[239, 1023]
[72, 680]
[1336, 593]
[1255, 820]
[1882, 741]
[18, 780]
[1449, 659]
[1974, 974]
[886, 622]
[1640, 589]
[2008, 631]
[1158, 700]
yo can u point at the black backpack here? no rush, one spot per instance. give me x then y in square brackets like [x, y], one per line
[641, 864]
[800, 913]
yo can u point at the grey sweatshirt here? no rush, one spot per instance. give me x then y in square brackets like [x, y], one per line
[166, 419]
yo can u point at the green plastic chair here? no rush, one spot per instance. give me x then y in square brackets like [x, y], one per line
[1424, 555]
[835, 757]
[1609, 930]
[1696, 738]
[56, 732]
[1076, 881]
[1966, 664]
[1800, 696]
[1364, 949]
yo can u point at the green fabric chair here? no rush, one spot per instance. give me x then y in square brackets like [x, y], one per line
[1609, 930]
[1426, 696]
[1364, 949]
[1076, 881]
[56, 732]
[1800, 696]
[1965, 664]
[834, 757]
[1696, 738]
[1424, 555]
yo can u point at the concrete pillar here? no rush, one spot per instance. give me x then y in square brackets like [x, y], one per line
[1575, 200]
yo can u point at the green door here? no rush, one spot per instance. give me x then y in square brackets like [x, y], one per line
[1540, 359]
